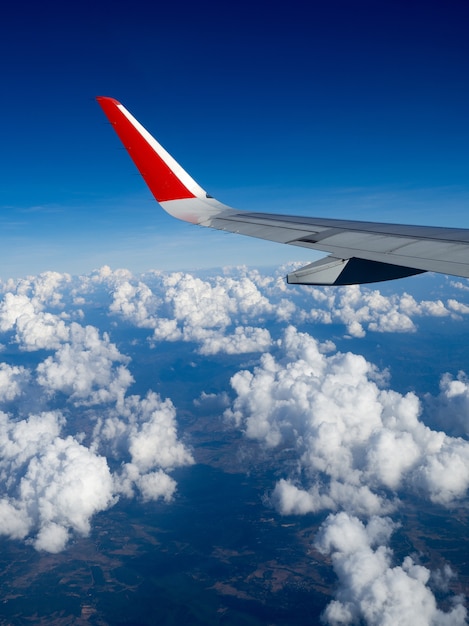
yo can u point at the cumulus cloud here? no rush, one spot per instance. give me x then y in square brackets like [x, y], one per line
[136, 303]
[35, 329]
[243, 339]
[358, 446]
[142, 433]
[53, 484]
[85, 368]
[181, 306]
[22, 311]
[460, 285]
[354, 445]
[63, 488]
[55, 477]
[201, 312]
[371, 588]
[50, 484]
[45, 289]
[21, 439]
[13, 380]
[450, 409]
[362, 309]
[216, 314]
[357, 437]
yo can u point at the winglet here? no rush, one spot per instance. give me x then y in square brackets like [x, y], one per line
[166, 179]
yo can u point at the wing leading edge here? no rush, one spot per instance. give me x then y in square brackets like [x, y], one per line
[359, 252]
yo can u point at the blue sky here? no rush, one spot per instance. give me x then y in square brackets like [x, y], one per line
[339, 108]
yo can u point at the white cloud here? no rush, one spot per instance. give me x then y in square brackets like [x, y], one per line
[352, 437]
[444, 472]
[21, 439]
[48, 482]
[181, 306]
[51, 538]
[13, 379]
[53, 484]
[156, 485]
[55, 479]
[35, 329]
[450, 409]
[357, 446]
[371, 589]
[244, 339]
[215, 314]
[204, 312]
[460, 285]
[14, 523]
[290, 499]
[22, 311]
[143, 433]
[362, 309]
[62, 489]
[85, 368]
[135, 303]
[212, 401]
[42, 289]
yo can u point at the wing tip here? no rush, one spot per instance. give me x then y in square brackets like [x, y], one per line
[107, 99]
[166, 179]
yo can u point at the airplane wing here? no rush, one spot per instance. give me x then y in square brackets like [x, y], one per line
[359, 252]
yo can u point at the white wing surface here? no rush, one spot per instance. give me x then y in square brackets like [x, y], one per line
[359, 252]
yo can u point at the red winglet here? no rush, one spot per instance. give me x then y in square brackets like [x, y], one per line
[149, 159]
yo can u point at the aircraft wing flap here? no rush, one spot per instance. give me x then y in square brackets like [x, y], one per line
[284, 234]
[270, 221]
[438, 255]
[358, 241]
[441, 250]
[435, 249]
[439, 233]
[453, 267]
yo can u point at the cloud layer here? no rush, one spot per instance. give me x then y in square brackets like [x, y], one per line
[371, 588]
[361, 437]
[358, 445]
[75, 436]
[54, 477]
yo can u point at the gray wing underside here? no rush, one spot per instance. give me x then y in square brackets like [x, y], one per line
[359, 252]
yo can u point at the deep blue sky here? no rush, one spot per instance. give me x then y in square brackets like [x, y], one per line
[355, 109]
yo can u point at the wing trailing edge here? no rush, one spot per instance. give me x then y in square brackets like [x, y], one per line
[360, 252]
